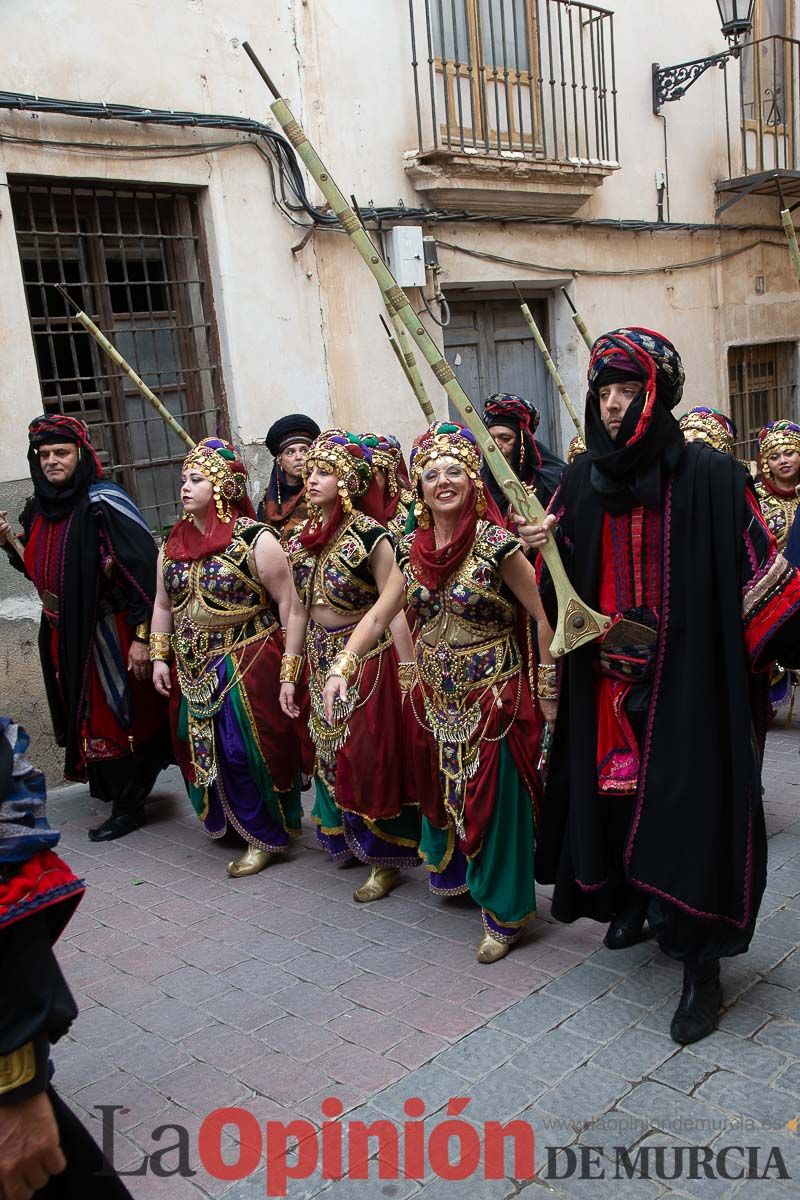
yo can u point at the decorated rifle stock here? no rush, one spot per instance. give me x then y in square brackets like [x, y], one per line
[576, 623]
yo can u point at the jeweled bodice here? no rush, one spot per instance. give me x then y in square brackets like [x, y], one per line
[221, 594]
[339, 577]
[473, 605]
[779, 512]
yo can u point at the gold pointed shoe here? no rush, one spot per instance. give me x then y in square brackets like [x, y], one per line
[491, 950]
[252, 861]
[380, 882]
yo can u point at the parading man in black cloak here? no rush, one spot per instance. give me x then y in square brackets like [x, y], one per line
[513, 421]
[92, 559]
[653, 809]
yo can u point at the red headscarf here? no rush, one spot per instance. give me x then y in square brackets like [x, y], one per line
[433, 566]
[341, 452]
[218, 462]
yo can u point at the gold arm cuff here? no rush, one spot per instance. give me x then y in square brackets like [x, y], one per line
[17, 1068]
[546, 685]
[291, 668]
[142, 631]
[346, 665]
[161, 647]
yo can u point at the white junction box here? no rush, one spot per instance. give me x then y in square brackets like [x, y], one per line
[406, 255]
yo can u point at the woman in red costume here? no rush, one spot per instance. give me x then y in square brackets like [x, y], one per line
[224, 590]
[477, 732]
[343, 561]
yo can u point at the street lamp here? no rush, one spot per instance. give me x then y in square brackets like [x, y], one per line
[670, 83]
[736, 17]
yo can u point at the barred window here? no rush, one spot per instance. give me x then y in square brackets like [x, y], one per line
[762, 381]
[134, 259]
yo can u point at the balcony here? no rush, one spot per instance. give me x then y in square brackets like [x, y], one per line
[762, 123]
[516, 104]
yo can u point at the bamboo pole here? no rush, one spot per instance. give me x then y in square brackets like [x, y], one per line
[405, 353]
[548, 360]
[410, 364]
[579, 321]
[116, 357]
[789, 231]
[398, 353]
[576, 623]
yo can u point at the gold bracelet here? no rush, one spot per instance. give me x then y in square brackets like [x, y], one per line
[546, 686]
[407, 674]
[17, 1068]
[345, 665]
[291, 668]
[142, 631]
[160, 647]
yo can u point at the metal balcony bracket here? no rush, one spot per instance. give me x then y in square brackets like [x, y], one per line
[670, 83]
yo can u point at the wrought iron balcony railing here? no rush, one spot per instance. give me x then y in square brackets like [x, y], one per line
[530, 80]
[762, 121]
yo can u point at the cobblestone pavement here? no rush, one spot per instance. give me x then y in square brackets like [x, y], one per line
[198, 992]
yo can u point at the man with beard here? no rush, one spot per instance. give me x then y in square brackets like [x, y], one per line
[284, 504]
[653, 807]
[512, 421]
[92, 559]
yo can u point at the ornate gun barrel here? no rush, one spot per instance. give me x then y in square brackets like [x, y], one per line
[548, 361]
[410, 364]
[580, 324]
[576, 623]
[114, 354]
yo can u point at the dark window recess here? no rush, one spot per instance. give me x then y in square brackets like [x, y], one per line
[135, 260]
[762, 382]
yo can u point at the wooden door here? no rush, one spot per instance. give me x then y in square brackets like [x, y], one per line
[491, 349]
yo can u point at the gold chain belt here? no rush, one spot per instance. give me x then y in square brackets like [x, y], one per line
[329, 739]
[452, 672]
[201, 617]
[196, 659]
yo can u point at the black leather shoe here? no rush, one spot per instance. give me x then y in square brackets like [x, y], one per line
[697, 1014]
[117, 826]
[626, 928]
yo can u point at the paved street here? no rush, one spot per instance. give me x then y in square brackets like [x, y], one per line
[272, 993]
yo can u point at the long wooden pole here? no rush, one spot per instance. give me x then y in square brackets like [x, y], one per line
[580, 324]
[402, 347]
[789, 231]
[548, 361]
[576, 623]
[410, 364]
[116, 357]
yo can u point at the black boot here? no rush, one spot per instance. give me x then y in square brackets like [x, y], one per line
[697, 1014]
[626, 928]
[120, 823]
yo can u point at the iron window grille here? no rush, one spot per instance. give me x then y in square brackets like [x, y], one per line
[762, 388]
[135, 260]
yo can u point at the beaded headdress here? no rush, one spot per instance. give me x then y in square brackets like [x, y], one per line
[387, 454]
[704, 424]
[341, 452]
[446, 440]
[778, 435]
[219, 463]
